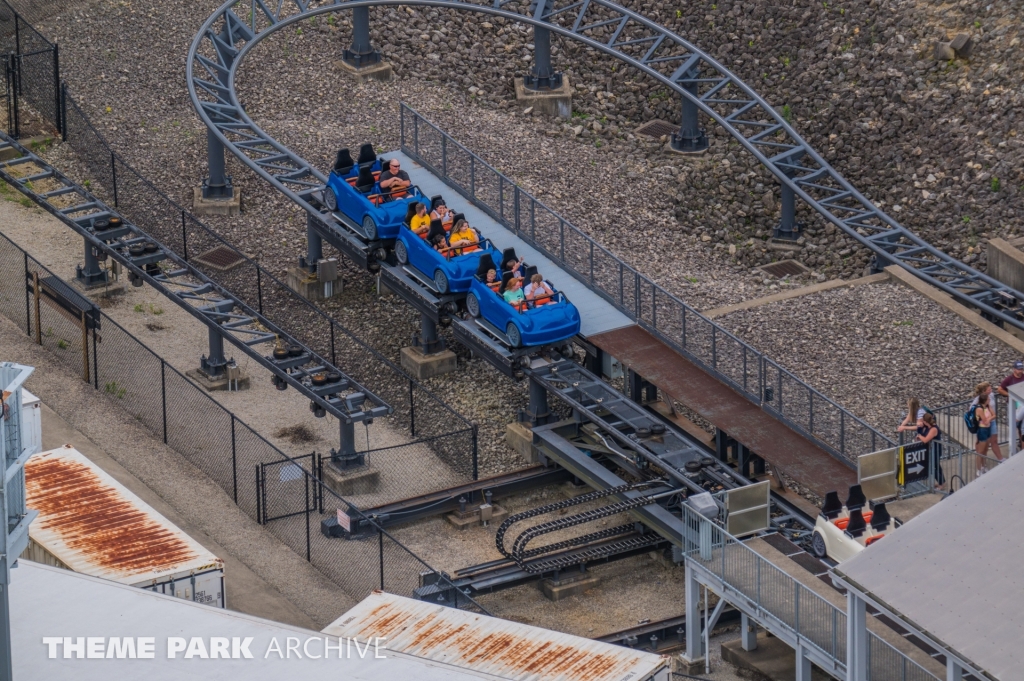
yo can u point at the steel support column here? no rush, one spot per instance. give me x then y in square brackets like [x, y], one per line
[427, 340]
[217, 185]
[694, 641]
[215, 364]
[787, 227]
[361, 53]
[856, 638]
[538, 413]
[803, 664]
[314, 245]
[690, 139]
[542, 76]
[748, 633]
[954, 672]
[90, 273]
[345, 456]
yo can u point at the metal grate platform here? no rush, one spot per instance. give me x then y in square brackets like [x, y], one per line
[657, 128]
[221, 258]
[785, 268]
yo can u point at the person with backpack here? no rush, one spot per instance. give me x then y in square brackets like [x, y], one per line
[982, 415]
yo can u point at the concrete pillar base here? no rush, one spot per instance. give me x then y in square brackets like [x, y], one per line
[427, 366]
[556, 590]
[99, 289]
[519, 437]
[684, 665]
[557, 102]
[239, 381]
[463, 521]
[784, 246]
[772, 659]
[359, 480]
[308, 286]
[379, 71]
[201, 206]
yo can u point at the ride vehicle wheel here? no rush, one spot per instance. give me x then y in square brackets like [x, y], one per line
[370, 228]
[514, 337]
[331, 199]
[473, 305]
[401, 254]
[441, 281]
[818, 545]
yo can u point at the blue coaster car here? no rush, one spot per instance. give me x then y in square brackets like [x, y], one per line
[451, 270]
[352, 189]
[554, 322]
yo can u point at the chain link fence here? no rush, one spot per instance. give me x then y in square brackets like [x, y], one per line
[31, 80]
[284, 494]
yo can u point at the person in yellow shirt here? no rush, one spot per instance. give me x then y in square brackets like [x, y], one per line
[420, 222]
[463, 238]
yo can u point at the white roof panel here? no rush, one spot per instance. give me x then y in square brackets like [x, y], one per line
[955, 571]
[97, 526]
[497, 647]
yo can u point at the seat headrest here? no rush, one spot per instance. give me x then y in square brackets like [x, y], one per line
[343, 163]
[365, 181]
[856, 526]
[367, 156]
[435, 201]
[529, 272]
[458, 216]
[411, 211]
[505, 278]
[486, 264]
[436, 229]
[832, 507]
[880, 519]
[508, 254]
[856, 499]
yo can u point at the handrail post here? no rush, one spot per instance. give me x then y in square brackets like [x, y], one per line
[472, 175]
[444, 155]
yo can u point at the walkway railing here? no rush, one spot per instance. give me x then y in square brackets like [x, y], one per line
[762, 380]
[783, 605]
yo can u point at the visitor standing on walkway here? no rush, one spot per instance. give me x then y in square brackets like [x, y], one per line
[1016, 376]
[984, 405]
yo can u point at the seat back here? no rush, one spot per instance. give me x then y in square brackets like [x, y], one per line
[857, 525]
[832, 507]
[410, 212]
[856, 499]
[436, 228]
[508, 254]
[880, 519]
[528, 272]
[484, 266]
[435, 201]
[365, 181]
[343, 163]
[505, 278]
[367, 156]
[456, 217]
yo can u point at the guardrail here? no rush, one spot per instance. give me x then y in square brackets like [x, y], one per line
[786, 607]
[762, 380]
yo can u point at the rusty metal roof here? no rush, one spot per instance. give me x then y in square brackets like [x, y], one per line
[500, 648]
[96, 526]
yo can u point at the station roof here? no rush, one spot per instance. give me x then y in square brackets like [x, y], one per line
[52, 602]
[495, 647]
[954, 571]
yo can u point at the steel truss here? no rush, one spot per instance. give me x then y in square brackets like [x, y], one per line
[149, 261]
[226, 37]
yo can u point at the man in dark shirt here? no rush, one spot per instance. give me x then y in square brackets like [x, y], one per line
[1016, 377]
[393, 178]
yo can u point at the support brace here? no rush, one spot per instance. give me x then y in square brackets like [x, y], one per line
[314, 245]
[361, 53]
[788, 228]
[426, 340]
[218, 184]
[90, 274]
[215, 365]
[346, 457]
[537, 414]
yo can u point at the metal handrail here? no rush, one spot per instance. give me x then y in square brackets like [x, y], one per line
[519, 213]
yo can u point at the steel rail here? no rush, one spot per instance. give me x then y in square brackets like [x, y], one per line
[225, 38]
[190, 289]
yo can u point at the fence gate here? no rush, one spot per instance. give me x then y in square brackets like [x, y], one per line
[287, 488]
[68, 303]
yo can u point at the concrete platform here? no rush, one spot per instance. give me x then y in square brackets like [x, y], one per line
[519, 437]
[380, 71]
[772, 659]
[423, 366]
[908, 509]
[306, 284]
[209, 385]
[557, 102]
[201, 206]
[556, 590]
[361, 480]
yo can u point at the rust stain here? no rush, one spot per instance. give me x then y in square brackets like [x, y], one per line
[521, 655]
[92, 518]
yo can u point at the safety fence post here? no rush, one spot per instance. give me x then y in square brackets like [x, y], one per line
[380, 556]
[476, 458]
[184, 235]
[28, 314]
[412, 411]
[163, 395]
[259, 287]
[113, 176]
[56, 89]
[234, 461]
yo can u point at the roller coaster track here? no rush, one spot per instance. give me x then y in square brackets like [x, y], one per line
[146, 259]
[227, 36]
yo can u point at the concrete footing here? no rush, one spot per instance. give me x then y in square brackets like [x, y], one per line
[557, 102]
[201, 206]
[472, 517]
[784, 246]
[379, 71]
[239, 381]
[306, 284]
[683, 665]
[99, 289]
[361, 480]
[519, 437]
[423, 366]
[772, 659]
[563, 587]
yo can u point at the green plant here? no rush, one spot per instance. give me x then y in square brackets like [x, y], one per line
[785, 60]
[966, 220]
[679, 14]
[298, 31]
[598, 143]
[87, 184]
[692, 280]
[977, 24]
[750, 43]
[140, 308]
[331, 20]
[62, 344]
[25, 201]
[787, 113]
[994, 184]
[48, 332]
[155, 310]
[113, 388]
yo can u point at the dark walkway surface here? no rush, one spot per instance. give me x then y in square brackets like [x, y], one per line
[727, 409]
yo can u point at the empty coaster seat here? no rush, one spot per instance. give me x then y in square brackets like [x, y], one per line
[857, 525]
[365, 181]
[856, 499]
[410, 211]
[343, 164]
[880, 519]
[367, 156]
[832, 507]
[842, 523]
